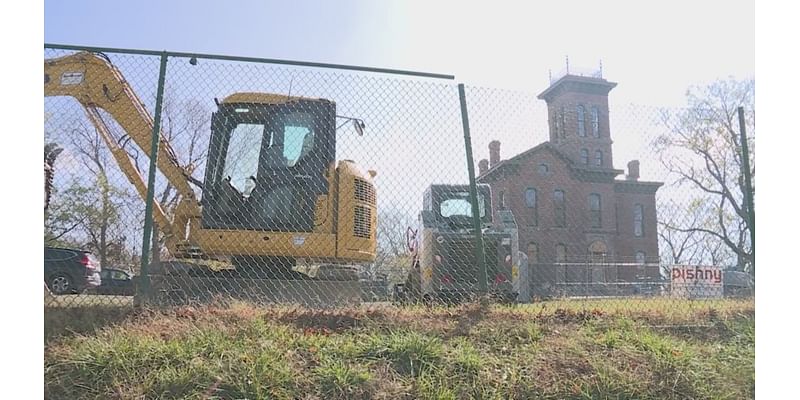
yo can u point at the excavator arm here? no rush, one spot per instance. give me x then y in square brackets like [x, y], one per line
[96, 84]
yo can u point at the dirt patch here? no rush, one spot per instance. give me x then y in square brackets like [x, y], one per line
[467, 319]
[59, 322]
[569, 316]
[328, 320]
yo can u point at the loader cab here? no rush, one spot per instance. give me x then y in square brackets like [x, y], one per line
[450, 206]
[268, 161]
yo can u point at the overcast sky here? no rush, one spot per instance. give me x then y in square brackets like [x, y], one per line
[653, 50]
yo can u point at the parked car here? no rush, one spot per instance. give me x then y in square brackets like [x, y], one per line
[115, 282]
[70, 270]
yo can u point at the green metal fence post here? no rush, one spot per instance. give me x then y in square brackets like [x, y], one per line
[144, 287]
[748, 195]
[473, 194]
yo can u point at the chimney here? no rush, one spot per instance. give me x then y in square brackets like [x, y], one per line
[483, 166]
[494, 153]
[633, 170]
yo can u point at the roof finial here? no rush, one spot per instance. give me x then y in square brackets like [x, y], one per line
[601, 68]
[567, 64]
[550, 75]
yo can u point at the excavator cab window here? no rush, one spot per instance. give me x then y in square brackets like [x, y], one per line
[241, 161]
[298, 137]
[283, 144]
[268, 164]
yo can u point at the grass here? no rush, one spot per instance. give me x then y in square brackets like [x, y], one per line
[561, 350]
[338, 379]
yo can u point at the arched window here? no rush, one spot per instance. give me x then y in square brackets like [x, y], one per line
[502, 200]
[533, 253]
[595, 122]
[585, 156]
[563, 122]
[595, 216]
[638, 220]
[530, 202]
[560, 208]
[598, 158]
[581, 121]
[561, 253]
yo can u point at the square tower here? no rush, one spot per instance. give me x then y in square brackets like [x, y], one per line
[577, 109]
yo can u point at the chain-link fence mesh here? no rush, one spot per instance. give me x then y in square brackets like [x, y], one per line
[319, 186]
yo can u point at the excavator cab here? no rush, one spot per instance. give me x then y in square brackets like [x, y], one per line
[269, 159]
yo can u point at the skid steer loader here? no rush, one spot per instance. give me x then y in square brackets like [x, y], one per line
[277, 218]
[444, 263]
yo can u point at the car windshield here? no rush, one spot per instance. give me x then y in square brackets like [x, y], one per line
[458, 204]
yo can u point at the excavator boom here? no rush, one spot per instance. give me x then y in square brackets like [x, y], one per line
[97, 84]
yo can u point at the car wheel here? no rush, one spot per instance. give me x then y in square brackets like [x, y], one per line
[60, 284]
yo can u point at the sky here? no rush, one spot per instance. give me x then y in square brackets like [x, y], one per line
[653, 50]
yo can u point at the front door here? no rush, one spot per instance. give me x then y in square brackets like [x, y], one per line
[597, 263]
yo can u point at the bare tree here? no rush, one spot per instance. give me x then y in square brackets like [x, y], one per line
[186, 126]
[96, 205]
[689, 246]
[702, 150]
[393, 257]
[88, 143]
[98, 210]
[678, 246]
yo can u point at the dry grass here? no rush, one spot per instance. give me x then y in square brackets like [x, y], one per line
[87, 300]
[552, 350]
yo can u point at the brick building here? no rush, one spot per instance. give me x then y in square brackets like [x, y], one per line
[584, 227]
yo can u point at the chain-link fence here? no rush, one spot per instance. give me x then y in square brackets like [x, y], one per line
[327, 185]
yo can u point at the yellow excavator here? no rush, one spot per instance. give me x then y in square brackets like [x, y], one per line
[278, 218]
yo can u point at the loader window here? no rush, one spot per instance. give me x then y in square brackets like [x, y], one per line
[459, 204]
[241, 160]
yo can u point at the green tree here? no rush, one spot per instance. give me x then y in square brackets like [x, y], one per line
[51, 152]
[90, 216]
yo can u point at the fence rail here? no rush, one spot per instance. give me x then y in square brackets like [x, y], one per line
[326, 184]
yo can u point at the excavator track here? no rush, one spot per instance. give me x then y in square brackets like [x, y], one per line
[185, 282]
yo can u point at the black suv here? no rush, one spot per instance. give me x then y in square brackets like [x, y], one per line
[70, 271]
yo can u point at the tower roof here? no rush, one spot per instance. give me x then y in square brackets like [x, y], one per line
[575, 83]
